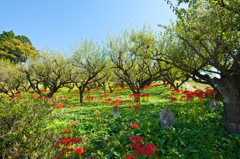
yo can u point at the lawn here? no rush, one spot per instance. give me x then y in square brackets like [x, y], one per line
[60, 127]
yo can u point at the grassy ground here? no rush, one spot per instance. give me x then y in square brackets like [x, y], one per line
[197, 133]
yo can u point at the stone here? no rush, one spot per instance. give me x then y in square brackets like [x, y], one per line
[213, 105]
[166, 118]
[115, 111]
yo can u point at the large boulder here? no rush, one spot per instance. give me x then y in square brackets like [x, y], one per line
[166, 118]
[213, 105]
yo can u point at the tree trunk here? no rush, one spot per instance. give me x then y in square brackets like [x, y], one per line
[81, 96]
[229, 89]
[52, 91]
[104, 87]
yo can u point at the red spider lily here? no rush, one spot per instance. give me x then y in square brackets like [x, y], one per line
[130, 109]
[104, 95]
[59, 105]
[90, 97]
[211, 92]
[67, 141]
[138, 105]
[149, 150]
[199, 94]
[53, 97]
[134, 125]
[65, 131]
[172, 99]
[97, 88]
[98, 114]
[131, 157]
[79, 151]
[136, 139]
[136, 95]
[117, 105]
[138, 108]
[186, 91]
[145, 95]
[190, 96]
[116, 102]
[135, 145]
[74, 123]
[170, 94]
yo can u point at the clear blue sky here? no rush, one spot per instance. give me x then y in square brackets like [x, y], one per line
[59, 23]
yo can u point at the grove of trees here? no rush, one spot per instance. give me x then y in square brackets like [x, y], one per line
[204, 38]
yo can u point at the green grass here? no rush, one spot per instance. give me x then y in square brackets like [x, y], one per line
[197, 133]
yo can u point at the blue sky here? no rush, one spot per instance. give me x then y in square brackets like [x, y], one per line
[59, 23]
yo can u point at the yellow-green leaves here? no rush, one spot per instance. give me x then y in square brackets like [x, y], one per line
[17, 51]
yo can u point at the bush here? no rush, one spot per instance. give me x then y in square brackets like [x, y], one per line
[23, 127]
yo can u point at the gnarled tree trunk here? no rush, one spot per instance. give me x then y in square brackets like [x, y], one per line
[229, 88]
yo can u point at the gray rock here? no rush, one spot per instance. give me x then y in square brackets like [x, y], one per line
[115, 111]
[166, 118]
[213, 105]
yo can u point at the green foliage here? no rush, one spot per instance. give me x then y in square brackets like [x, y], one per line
[11, 78]
[16, 51]
[6, 36]
[23, 128]
[52, 70]
[16, 48]
[107, 137]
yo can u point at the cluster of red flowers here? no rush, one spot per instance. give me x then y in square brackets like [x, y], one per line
[79, 151]
[149, 149]
[150, 86]
[89, 97]
[17, 95]
[65, 130]
[67, 142]
[137, 108]
[97, 88]
[60, 105]
[134, 125]
[172, 99]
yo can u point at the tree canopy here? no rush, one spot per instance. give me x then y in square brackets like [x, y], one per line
[16, 48]
[206, 38]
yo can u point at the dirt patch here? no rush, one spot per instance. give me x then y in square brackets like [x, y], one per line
[193, 86]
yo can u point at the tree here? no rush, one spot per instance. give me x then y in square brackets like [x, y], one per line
[6, 36]
[137, 71]
[16, 51]
[16, 48]
[53, 70]
[205, 37]
[11, 79]
[23, 39]
[176, 74]
[88, 61]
